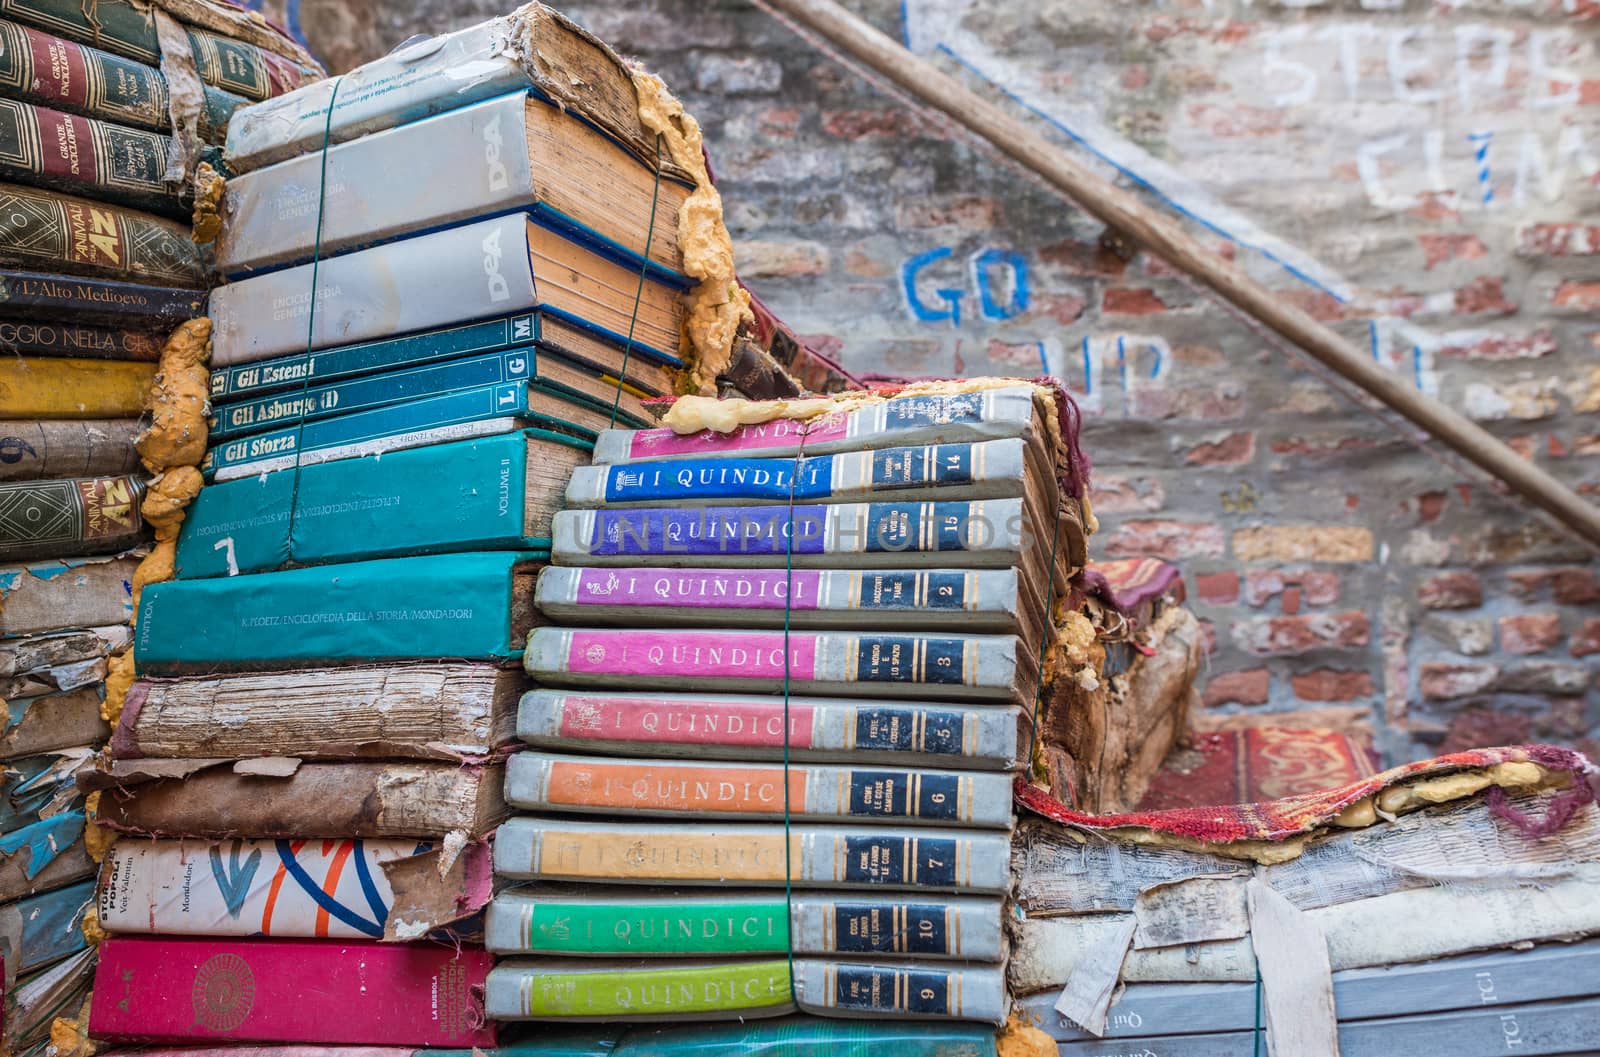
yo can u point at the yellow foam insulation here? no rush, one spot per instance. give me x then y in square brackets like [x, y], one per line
[89, 925]
[1073, 654]
[97, 839]
[1018, 1039]
[718, 306]
[69, 1036]
[119, 677]
[207, 218]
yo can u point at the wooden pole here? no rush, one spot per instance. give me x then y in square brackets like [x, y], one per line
[1162, 236]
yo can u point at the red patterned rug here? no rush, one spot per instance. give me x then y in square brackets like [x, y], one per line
[1260, 763]
[1290, 816]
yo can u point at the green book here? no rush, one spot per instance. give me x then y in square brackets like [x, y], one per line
[557, 989]
[461, 606]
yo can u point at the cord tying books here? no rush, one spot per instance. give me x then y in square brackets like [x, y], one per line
[638, 293]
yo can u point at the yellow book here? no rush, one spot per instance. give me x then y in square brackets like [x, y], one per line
[53, 387]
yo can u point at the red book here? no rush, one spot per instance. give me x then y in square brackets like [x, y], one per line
[158, 989]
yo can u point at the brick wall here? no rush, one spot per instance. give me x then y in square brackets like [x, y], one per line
[1422, 175]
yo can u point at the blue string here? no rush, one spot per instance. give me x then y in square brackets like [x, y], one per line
[1258, 1028]
[788, 595]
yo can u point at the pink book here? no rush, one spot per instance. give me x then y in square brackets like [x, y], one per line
[156, 989]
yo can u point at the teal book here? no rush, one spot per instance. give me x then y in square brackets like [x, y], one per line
[457, 606]
[39, 929]
[494, 494]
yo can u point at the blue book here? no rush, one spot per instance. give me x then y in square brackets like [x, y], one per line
[497, 493]
[39, 929]
[566, 339]
[454, 606]
[33, 783]
[484, 411]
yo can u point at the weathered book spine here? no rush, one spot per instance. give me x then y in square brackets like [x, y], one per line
[83, 516]
[49, 388]
[988, 414]
[81, 155]
[255, 991]
[360, 509]
[986, 667]
[356, 798]
[372, 391]
[77, 340]
[991, 470]
[232, 65]
[47, 229]
[627, 992]
[36, 295]
[728, 726]
[457, 712]
[34, 1003]
[31, 451]
[990, 533]
[970, 599]
[232, 384]
[40, 68]
[927, 992]
[65, 594]
[52, 680]
[465, 606]
[36, 787]
[53, 721]
[39, 929]
[607, 923]
[43, 856]
[1534, 1030]
[721, 853]
[31, 653]
[485, 411]
[670, 789]
[285, 889]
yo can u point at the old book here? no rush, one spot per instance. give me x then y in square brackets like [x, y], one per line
[456, 711]
[358, 798]
[565, 339]
[32, 653]
[80, 340]
[557, 989]
[53, 721]
[85, 299]
[751, 727]
[504, 492]
[1571, 1027]
[288, 889]
[458, 606]
[1498, 978]
[48, 229]
[82, 155]
[309, 404]
[43, 856]
[480, 270]
[47, 387]
[65, 594]
[39, 997]
[40, 929]
[986, 414]
[928, 991]
[543, 849]
[591, 921]
[541, 782]
[48, 70]
[33, 788]
[175, 990]
[514, 152]
[85, 515]
[49, 678]
[534, 47]
[235, 66]
[484, 411]
[957, 667]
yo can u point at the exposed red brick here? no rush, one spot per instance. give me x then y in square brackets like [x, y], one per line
[1504, 347]
[1063, 308]
[1441, 682]
[1166, 539]
[1315, 446]
[1131, 301]
[968, 212]
[779, 122]
[1234, 121]
[1313, 588]
[1291, 601]
[1235, 449]
[1217, 588]
[1332, 684]
[1451, 590]
[1203, 403]
[1586, 640]
[1577, 587]
[860, 263]
[1524, 633]
[896, 121]
[1430, 505]
[1485, 295]
[1319, 305]
[1249, 687]
[1084, 258]
[1476, 727]
[1135, 77]
[1285, 636]
[1439, 248]
[1584, 297]
[1111, 494]
[1558, 240]
[1321, 589]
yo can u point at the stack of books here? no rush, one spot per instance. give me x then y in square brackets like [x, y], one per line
[96, 267]
[789, 674]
